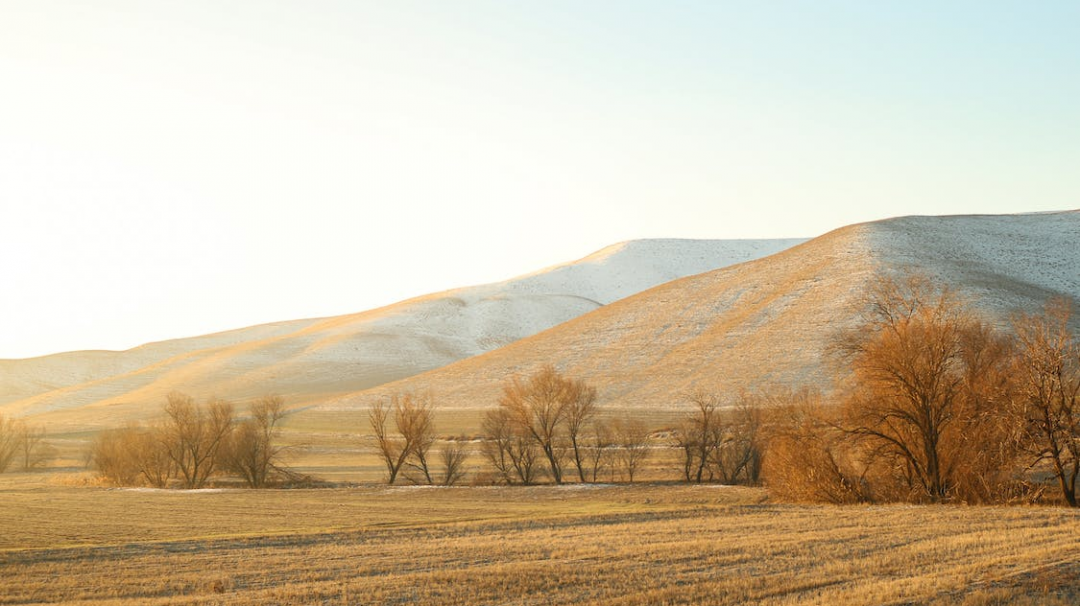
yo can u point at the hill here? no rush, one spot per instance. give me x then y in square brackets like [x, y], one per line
[770, 321]
[315, 359]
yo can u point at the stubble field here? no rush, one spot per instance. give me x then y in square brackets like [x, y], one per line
[605, 544]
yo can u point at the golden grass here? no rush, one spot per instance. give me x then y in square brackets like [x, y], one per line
[643, 544]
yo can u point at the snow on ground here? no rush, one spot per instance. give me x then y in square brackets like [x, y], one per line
[306, 360]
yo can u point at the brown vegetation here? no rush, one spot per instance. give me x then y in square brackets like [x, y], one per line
[192, 444]
[939, 406]
[193, 436]
[408, 452]
[251, 450]
[21, 443]
[539, 406]
[1048, 372]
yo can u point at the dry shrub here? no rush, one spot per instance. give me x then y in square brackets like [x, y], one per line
[929, 397]
[808, 459]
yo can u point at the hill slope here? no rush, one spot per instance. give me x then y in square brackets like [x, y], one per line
[310, 360]
[769, 321]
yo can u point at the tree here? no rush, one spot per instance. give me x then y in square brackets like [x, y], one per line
[539, 406]
[632, 442]
[453, 457]
[599, 446]
[808, 457]
[920, 389]
[113, 456]
[700, 436]
[739, 455]
[193, 436]
[251, 452]
[414, 422]
[1048, 368]
[580, 411]
[9, 442]
[33, 452]
[510, 453]
[149, 454]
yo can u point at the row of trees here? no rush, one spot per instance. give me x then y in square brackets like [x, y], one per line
[549, 424]
[22, 445]
[935, 405]
[545, 426]
[408, 452]
[193, 443]
[940, 406]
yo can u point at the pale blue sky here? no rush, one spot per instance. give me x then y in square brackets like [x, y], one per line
[175, 168]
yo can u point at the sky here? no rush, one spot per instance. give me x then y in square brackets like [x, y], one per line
[175, 168]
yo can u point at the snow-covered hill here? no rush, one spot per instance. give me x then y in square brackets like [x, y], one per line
[770, 321]
[311, 360]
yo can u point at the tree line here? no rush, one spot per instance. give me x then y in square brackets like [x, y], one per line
[22, 445]
[193, 443]
[932, 404]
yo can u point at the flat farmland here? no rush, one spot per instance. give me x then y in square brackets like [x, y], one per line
[604, 544]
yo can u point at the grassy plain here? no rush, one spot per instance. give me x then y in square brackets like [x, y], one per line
[607, 544]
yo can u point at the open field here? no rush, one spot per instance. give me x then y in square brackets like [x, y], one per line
[645, 544]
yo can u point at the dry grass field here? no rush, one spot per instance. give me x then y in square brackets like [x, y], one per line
[606, 544]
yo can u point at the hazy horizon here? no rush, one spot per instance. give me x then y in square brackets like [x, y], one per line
[185, 168]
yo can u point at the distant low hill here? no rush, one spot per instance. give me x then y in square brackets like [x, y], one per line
[770, 321]
[315, 359]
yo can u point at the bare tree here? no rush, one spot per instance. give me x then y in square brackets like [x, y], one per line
[918, 391]
[146, 447]
[538, 406]
[700, 436]
[809, 458]
[252, 452]
[580, 411]
[393, 449]
[9, 442]
[508, 451]
[193, 436]
[599, 445]
[33, 451]
[453, 457]
[414, 422]
[632, 441]
[737, 456]
[113, 457]
[1048, 367]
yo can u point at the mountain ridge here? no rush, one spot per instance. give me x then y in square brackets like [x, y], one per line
[312, 358]
[768, 321]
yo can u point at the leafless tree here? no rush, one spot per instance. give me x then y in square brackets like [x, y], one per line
[150, 456]
[738, 457]
[113, 457]
[414, 422]
[808, 457]
[252, 452]
[9, 442]
[700, 436]
[508, 451]
[538, 407]
[632, 442]
[599, 447]
[1048, 367]
[193, 436]
[453, 457]
[33, 451]
[580, 411]
[21, 444]
[918, 391]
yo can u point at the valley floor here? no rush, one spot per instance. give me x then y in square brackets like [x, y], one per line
[603, 544]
